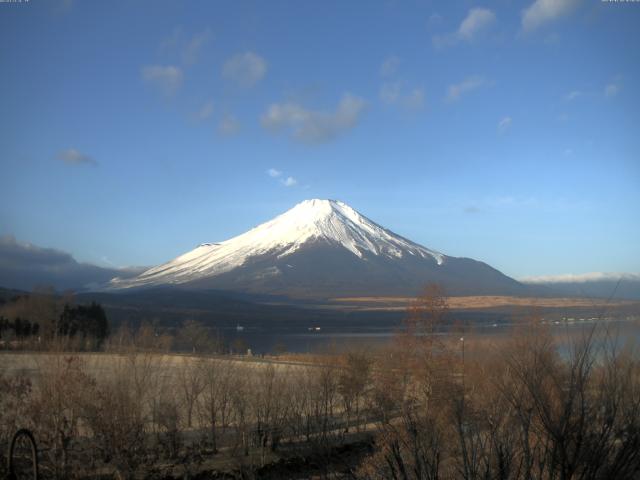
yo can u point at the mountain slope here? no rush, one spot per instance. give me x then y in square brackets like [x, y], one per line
[322, 248]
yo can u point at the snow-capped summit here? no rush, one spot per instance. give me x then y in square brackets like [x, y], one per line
[329, 220]
[317, 246]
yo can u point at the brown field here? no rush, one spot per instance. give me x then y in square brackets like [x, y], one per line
[33, 364]
[477, 302]
[359, 415]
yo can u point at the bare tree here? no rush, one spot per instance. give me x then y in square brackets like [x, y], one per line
[354, 379]
[194, 336]
[221, 392]
[55, 409]
[192, 384]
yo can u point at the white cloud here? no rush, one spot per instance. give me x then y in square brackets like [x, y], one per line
[572, 95]
[442, 41]
[582, 277]
[504, 125]
[168, 78]
[434, 19]
[393, 94]
[389, 66]
[311, 126]
[457, 90]
[228, 125]
[289, 182]
[612, 89]
[187, 49]
[545, 11]
[477, 21]
[206, 111]
[71, 156]
[245, 69]
[194, 45]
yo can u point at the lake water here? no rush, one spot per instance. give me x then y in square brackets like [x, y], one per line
[321, 338]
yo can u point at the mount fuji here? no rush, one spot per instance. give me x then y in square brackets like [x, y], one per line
[322, 248]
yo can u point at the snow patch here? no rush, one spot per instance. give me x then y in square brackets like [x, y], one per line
[309, 221]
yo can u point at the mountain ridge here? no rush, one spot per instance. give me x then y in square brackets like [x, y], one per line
[322, 248]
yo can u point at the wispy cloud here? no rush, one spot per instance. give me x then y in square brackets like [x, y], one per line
[434, 19]
[389, 66]
[504, 125]
[507, 202]
[71, 156]
[192, 49]
[205, 111]
[228, 125]
[312, 126]
[613, 88]
[287, 181]
[184, 47]
[541, 12]
[573, 95]
[395, 94]
[167, 78]
[469, 84]
[477, 21]
[245, 69]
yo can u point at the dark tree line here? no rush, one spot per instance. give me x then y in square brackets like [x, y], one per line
[74, 321]
[84, 321]
[18, 327]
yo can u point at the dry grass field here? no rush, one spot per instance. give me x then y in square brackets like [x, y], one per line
[482, 302]
[428, 402]
[34, 363]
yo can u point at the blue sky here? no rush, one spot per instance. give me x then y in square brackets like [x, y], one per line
[503, 131]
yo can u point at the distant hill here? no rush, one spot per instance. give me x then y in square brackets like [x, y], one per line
[596, 285]
[25, 266]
